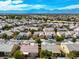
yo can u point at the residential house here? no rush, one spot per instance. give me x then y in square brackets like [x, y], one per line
[53, 48]
[48, 29]
[49, 35]
[7, 49]
[23, 35]
[29, 50]
[70, 47]
[40, 34]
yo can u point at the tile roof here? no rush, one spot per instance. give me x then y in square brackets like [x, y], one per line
[6, 47]
[51, 47]
[73, 47]
[30, 48]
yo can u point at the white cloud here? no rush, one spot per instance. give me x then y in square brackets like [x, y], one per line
[18, 5]
[2, 3]
[17, 1]
[38, 6]
[70, 7]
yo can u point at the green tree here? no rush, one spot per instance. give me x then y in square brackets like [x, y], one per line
[24, 37]
[32, 31]
[15, 34]
[71, 55]
[7, 27]
[46, 54]
[18, 54]
[39, 45]
[74, 40]
[5, 36]
[55, 29]
[12, 16]
[59, 38]
[19, 17]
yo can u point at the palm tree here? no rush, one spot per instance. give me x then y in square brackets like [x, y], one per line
[55, 29]
[39, 45]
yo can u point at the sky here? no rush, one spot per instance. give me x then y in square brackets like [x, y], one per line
[39, 6]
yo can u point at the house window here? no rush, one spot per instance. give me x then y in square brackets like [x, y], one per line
[6, 53]
[1, 53]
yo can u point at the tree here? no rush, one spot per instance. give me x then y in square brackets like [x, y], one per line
[59, 38]
[5, 36]
[15, 34]
[39, 45]
[18, 54]
[74, 40]
[6, 27]
[23, 37]
[55, 29]
[32, 31]
[45, 54]
[12, 16]
[19, 17]
[72, 55]
[38, 41]
[74, 23]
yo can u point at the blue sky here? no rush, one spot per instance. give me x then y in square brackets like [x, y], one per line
[39, 6]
